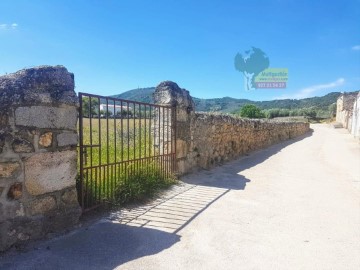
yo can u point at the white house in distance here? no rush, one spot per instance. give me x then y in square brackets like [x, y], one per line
[114, 109]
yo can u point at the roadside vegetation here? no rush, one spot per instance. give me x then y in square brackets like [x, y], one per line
[311, 113]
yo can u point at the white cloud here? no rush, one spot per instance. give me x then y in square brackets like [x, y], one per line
[356, 48]
[6, 26]
[310, 91]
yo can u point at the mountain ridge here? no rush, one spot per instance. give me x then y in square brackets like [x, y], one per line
[230, 105]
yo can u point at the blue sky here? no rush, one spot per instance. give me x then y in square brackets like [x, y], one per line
[114, 46]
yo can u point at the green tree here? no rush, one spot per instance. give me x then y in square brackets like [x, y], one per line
[251, 111]
[251, 64]
[86, 106]
[332, 110]
[124, 113]
[310, 112]
[106, 113]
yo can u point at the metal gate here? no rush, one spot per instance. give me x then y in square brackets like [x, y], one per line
[118, 137]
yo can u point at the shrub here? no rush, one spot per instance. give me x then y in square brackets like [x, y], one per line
[251, 111]
[141, 183]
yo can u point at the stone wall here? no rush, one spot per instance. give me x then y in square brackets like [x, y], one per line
[205, 140]
[38, 138]
[344, 109]
[355, 120]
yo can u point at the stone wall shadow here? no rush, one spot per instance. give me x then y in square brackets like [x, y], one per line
[104, 245]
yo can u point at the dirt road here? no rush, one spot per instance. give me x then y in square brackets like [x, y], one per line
[295, 205]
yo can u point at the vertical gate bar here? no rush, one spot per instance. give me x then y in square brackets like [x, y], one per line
[81, 151]
[91, 153]
[98, 186]
[102, 185]
[108, 148]
[114, 161]
[145, 138]
[106, 180]
[172, 140]
[150, 118]
[122, 140]
[128, 139]
[167, 142]
[94, 181]
[87, 188]
[128, 132]
[99, 154]
[175, 137]
[163, 141]
[90, 119]
[140, 119]
[145, 131]
[121, 131]
[91, 189]
[114, 134]
[99, 136]
[154, 129]
[134, 117]
[159, 139]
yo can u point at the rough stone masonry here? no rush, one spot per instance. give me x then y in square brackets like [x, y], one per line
[206, 140]
[38, 138]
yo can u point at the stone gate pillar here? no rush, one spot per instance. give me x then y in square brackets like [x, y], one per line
[169, 93]
[38, 138]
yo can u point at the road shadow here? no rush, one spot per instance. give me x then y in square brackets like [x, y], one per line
[198, 191]
[104, 245]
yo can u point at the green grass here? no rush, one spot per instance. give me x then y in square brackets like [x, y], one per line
[145, 182]
[118, 140]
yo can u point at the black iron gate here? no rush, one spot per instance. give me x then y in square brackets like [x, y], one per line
[116, 138]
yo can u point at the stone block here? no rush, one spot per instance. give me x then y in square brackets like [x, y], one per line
[43, 84]
[182, 115]
[2, 142]
[67, 139]
[42, 206]
[7, 169]
[46, 139]
[69, 197]
[181, 167]
[15, 191]
[46, 117]
[11, 209]
[48, 172]
[22, 146]
[181, 148]
[3, 119]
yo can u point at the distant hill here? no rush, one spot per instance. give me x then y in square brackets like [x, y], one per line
[140, 94]
[229, 105]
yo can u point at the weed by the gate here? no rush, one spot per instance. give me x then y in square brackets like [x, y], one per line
[142, 183]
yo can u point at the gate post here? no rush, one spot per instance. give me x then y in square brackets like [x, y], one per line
[169, 93]
[38, 138]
